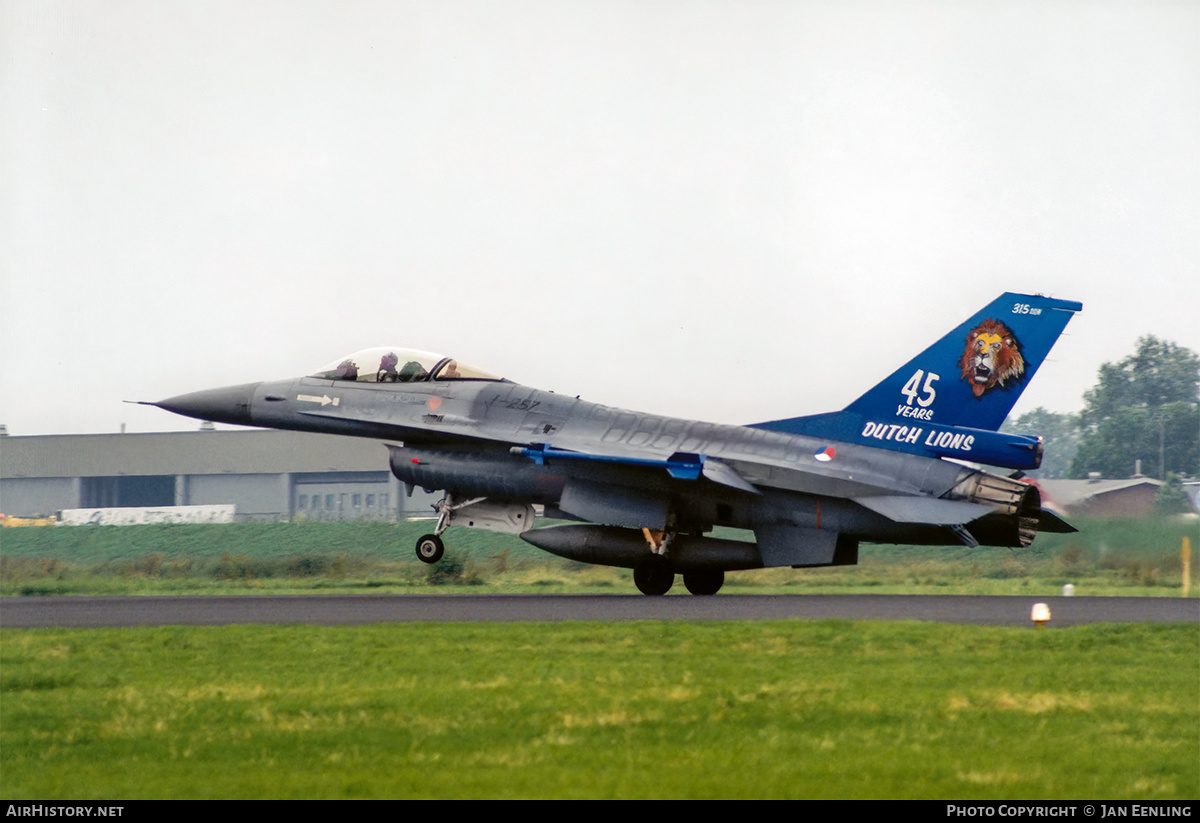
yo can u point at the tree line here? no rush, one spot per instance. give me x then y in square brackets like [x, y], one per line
[1144, 408]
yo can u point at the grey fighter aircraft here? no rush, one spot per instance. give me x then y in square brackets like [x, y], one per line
[895, 466]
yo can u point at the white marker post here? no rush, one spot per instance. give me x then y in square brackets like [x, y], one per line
[1040, 614]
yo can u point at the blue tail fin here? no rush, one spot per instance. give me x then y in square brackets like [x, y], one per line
[974, 375]
[969, 379]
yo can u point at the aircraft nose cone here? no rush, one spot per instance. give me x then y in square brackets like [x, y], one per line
[230, 404]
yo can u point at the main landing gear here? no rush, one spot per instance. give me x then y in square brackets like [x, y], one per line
[704, 581]
[655, 574]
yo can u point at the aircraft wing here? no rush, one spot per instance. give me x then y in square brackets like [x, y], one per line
[679, 465]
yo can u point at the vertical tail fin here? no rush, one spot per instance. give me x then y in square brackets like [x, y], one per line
[973, 376]
[950, 400]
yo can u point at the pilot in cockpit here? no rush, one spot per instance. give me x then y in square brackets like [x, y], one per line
[387, 369]
[396, 365]
[411, 372]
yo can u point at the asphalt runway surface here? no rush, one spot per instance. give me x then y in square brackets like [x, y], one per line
[356, 609]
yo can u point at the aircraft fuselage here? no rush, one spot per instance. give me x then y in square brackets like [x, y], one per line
[646, 488]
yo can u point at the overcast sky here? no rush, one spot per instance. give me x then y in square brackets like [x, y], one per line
[731, 211]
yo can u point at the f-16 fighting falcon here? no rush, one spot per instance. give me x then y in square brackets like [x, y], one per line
[898, 465]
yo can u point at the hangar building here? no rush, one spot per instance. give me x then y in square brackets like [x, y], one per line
[267, 475]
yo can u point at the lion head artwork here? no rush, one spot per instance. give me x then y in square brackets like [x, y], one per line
[992, 357]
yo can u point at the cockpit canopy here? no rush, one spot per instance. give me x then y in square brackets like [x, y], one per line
[393, 365]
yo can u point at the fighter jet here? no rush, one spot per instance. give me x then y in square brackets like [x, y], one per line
[901, 464]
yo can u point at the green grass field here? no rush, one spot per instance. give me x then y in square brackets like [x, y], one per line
[820, 709]
[1107, 557]
[669, 710]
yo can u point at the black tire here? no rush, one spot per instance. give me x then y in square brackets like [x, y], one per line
[430, 549]
[705, 581]
[654, 575]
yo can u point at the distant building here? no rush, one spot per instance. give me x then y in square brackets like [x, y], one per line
[268, 475]
[1131, 497]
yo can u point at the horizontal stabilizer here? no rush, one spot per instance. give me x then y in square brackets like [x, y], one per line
[1048, 521]
[935, 511]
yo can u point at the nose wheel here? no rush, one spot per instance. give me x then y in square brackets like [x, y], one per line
[430, 548]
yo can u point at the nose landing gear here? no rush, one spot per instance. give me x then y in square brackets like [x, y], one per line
[430, 548]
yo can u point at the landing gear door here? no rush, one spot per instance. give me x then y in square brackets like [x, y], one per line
[510, 518]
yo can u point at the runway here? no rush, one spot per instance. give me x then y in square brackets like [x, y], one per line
[351, 609]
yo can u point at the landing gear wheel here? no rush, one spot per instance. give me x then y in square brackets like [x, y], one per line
[430, 548]
[654, 575]
[706, 581]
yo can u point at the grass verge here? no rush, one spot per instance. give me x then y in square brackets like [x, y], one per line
[1107, 557]
[829, 709]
